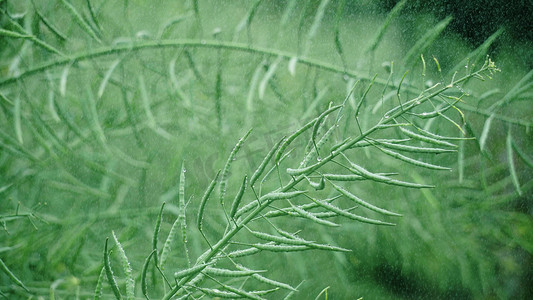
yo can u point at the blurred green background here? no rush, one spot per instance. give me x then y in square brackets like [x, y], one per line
[83, 160]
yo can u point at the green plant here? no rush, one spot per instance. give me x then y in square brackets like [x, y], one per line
[107, 116]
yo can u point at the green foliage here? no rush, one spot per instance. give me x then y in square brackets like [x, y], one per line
[102, 103]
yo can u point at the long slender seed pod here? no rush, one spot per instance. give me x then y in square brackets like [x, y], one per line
[234, 292]
[217, 293]
[93, 15]
[291, 293]
[399, 89]
[317, 186]
[99, 285]
[264, 163]
[12, 276]
[182, 207]
[426, 138]
[338, 145]
[390, 16]
[155, 239]
[168, 242]
[280, 248]
[49, 25]
[300, 171]
[407, 148]
[244, 252]
[315, 25]
[289, 210]
[107, 76]
[225, 170]
[279, 239]
[247, 20]
[362, 202]
[329, 247]
[130, 282]
[144, 283]
[275, 167]
[315, 217]
[34, 39]
[440, 137]
[193, 270]
[318, 121]
[510, 161]
[16, 117]
[425, 41]
[298, 132]
[268, 75]
[312, 217]
[378, 178]
[203, 202]
[349, 215]
[485, 132]
[413, 161]
[281, 195]
[344, 177]
[230, 273]
[238, 198]
[317, 146]
[266, 280]
[248, 207]
[522, 155]
[364, 95]
[109, 273]
[77, 17]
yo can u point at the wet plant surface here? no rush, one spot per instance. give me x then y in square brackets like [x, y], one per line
[263, 150]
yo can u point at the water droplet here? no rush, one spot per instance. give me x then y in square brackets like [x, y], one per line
[203, 42]
[386, 116]
[346, 77]
[318, 159]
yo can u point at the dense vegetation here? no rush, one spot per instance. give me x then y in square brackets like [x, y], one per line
[260, 150]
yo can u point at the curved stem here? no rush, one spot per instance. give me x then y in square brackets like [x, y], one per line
[188, 43]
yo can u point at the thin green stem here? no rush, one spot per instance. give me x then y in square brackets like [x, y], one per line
[188, 43]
